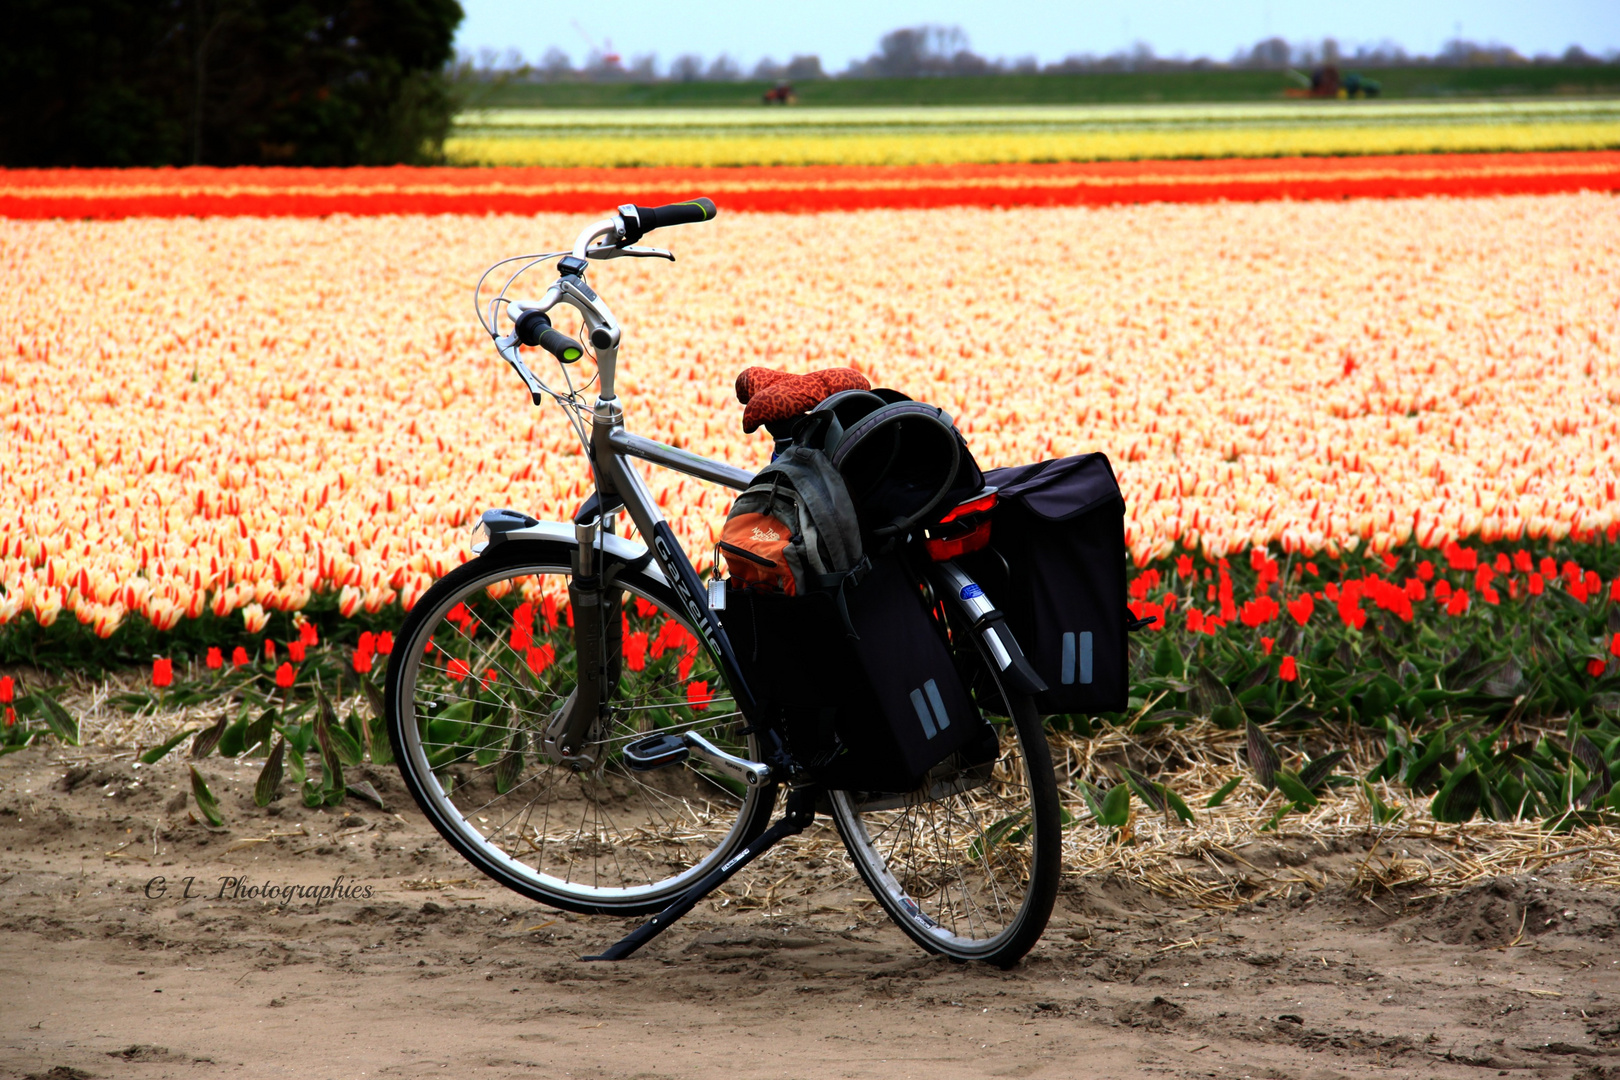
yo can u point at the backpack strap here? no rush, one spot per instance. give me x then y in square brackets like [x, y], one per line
[826, 501]
[835, 584]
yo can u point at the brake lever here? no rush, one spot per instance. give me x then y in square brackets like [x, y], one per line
[615, 251]
[507, 346]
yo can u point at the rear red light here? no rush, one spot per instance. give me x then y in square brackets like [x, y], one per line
[982, 504]
[963, 529]
[949, 547]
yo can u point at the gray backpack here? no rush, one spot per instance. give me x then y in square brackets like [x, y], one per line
[793, 530]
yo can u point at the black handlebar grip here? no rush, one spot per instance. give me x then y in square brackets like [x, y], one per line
[534, 330]
[648, 218]
[561, 346]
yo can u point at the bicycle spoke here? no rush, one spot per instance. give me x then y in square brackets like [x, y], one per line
[482, 712]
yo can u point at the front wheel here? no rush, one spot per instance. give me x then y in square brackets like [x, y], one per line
[968, 865]
[482, 667]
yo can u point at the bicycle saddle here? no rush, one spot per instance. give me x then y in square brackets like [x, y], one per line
[769, 395]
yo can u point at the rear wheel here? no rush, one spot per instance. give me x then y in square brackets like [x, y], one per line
[968, 865]
[482, 665]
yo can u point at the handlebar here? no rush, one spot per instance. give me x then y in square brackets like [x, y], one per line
[534, 329]
[641, 220]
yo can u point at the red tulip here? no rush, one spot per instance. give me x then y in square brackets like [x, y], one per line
[362, 660]
[295, 650]
[11, 716]
[385, 643]
[269, 649]
[1596, 667]
[1458, 603]
[1301, 608]
[163, 672]
[539, 658]
[1267, 643]
[1425, 570]
[1288, 671]
[8, 688]
[1184, 565]
[215, 659]
[635, 651]
[285, 676]
[308, 635]
[697, 695]
[458, 669]
[1537, 584]
[1614, 649]
[239, 657]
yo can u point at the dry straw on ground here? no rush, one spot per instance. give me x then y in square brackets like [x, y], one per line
[1226, 858]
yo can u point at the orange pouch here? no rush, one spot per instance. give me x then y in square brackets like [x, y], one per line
[755, 548]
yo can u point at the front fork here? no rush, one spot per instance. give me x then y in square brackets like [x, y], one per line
[598, 648]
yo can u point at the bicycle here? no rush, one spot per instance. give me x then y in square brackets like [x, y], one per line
[567, 710]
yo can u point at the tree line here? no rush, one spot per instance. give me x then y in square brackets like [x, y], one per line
[922, 51]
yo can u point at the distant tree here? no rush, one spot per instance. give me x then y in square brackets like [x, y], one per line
[1273, 52]
[225, 82]
[686, 68]
[555, 65]
[922, 50]
[768, 70]
[724, 69]
[804, 68]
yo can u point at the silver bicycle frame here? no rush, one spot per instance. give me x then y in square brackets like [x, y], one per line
[619, 483]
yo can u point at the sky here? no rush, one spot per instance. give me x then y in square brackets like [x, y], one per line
[843, 30]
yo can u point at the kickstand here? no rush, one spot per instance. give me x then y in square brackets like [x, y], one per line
[800, 812]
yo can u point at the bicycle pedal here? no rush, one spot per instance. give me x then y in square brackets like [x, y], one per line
[655, 752]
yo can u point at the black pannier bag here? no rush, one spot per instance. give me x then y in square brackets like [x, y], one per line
[1055, 566]
[873, 714]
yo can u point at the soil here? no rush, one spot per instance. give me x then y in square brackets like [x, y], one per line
[123, 958]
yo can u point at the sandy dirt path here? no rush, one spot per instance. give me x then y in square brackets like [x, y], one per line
[427, 970]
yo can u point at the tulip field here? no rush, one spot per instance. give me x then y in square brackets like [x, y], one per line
[1369, 446]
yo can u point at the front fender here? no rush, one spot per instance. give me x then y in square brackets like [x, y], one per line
[614, 546]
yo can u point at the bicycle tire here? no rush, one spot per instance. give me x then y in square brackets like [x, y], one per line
[662, 830]
[895, 875]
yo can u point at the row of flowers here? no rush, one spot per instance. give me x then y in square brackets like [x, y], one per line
[1282, 600]
[1048, 178]
[739, 148]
